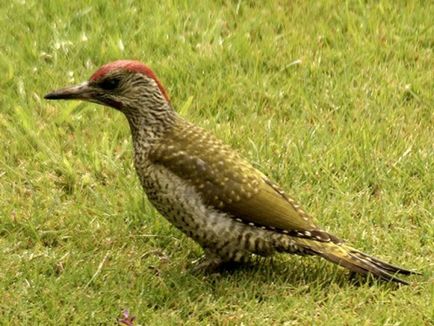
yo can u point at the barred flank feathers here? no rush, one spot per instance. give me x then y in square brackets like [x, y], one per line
[355, 260]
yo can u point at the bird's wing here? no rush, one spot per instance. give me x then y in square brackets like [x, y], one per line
[230, 184]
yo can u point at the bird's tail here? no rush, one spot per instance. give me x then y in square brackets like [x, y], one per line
[355, 260]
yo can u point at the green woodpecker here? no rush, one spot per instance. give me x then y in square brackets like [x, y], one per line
[206, 189]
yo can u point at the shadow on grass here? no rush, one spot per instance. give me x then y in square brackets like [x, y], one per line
[296, 274]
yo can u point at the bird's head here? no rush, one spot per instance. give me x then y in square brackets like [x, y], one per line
[126, 85]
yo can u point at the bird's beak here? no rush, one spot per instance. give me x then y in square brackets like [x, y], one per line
[77, 92]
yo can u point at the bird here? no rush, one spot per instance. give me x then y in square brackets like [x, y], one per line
[205, 188]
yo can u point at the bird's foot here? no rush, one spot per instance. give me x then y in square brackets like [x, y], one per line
[212, 264]
[207, 264]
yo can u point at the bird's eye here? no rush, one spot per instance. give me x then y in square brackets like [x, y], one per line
[109, 84]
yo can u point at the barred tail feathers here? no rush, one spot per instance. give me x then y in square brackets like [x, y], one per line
[354, 260]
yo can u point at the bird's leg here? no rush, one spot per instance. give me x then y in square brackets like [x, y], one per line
[208, 262]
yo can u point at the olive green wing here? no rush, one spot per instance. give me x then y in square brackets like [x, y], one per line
[228, 183]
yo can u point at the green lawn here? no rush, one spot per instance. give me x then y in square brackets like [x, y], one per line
[332, 101]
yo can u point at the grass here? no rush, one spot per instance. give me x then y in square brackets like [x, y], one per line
[332, 101]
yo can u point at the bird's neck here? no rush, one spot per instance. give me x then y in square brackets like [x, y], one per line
[148, 127]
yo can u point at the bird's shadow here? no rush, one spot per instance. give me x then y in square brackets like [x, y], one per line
[278, 271]
[305, 274]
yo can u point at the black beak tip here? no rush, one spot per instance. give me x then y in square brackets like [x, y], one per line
[50, 96]
[77, 92]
